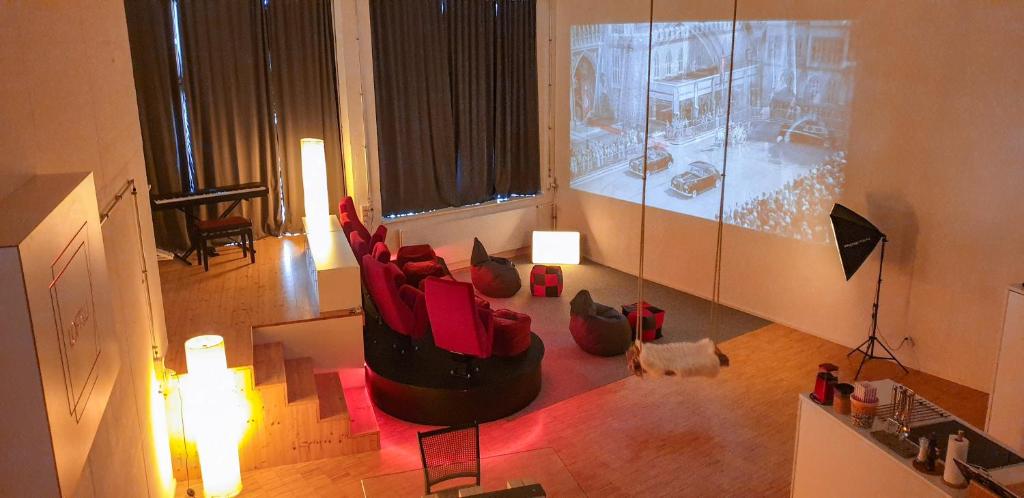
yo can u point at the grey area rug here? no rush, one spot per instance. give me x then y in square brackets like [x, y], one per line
[567, 370]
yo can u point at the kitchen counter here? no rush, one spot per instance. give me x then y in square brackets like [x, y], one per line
[835, 458]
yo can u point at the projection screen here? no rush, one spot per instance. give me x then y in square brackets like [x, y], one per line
[792, 84]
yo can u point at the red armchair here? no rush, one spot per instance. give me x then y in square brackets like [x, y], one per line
[401, 306]
[419, 262]
[458, 323]
[360, 245]
[381, 253]
[350, 223]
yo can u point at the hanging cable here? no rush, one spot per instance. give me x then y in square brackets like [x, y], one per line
[643, 193]
[716, 291]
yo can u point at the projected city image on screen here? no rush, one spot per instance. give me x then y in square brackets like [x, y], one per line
[792, 84]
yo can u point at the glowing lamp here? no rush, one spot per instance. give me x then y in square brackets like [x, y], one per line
[210, 409]
[557, 248]
[314, 180]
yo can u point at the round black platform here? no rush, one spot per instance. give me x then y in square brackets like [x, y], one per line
[417, 385]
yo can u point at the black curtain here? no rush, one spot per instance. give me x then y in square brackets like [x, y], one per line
[517, 134]
[150, 32]
[229, 111]
[257, 77]
[305, 96]
[472, 55]
[415, 133]
[456, 95]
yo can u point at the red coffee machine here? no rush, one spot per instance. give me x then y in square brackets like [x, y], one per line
[825, 383]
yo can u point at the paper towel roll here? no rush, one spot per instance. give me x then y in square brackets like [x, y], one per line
[955, 448]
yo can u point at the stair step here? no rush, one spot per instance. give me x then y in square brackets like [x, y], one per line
[362, 419]
[301, 386]
[330, 394]
[268, 363]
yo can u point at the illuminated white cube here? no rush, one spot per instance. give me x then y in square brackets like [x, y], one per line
[556, 248]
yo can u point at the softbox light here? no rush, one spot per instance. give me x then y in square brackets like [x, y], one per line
[855, 236]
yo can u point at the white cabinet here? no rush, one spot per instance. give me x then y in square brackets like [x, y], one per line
[58, 358]
[1006, 402]
[333, 269]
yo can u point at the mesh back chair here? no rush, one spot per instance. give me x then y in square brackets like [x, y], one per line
[450, 453]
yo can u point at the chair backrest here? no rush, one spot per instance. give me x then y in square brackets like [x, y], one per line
[382, 283]
[450, 453]
[347, 206]
[381, 252]
[458, 324]
[359, 244]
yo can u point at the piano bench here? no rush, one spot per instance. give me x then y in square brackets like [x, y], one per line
[232, 226]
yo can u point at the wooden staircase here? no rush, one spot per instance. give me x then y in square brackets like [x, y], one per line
[295, 416]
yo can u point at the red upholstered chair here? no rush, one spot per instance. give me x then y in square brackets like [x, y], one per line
[350, 223]
[420, 252]
[382, 253]
[511, 333]
[401, 306]
[419, 262]
[347, 207]
[458, 324]
[360, 245]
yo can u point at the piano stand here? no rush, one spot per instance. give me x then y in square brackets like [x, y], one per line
[189, 202]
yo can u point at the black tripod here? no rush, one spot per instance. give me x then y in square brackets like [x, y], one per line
[868, 346]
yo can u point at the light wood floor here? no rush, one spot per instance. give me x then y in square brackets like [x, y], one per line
[234, 296]
[729, 436]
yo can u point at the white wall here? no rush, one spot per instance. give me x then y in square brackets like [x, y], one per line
[934, 160]
[67, 103]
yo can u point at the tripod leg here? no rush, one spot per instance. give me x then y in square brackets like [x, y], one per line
[861, 367]
[893, 357]
[854, 350]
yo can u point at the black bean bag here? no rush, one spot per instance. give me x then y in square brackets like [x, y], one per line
[493, 276]
[598, 329]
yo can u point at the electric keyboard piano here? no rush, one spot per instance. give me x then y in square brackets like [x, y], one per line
[232, 193]
[189, 203]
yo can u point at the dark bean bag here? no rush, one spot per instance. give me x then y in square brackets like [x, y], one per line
[598, 329]
[493, 276]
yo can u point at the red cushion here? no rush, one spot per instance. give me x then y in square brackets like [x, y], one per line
[511, 333]
[421, 252]
[217, 225]
[415, 271]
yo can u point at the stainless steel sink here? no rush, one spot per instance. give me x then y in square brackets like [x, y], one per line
[982, 451]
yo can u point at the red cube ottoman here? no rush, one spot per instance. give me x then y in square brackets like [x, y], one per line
[511, 333]
[546, 281]
[653, 318]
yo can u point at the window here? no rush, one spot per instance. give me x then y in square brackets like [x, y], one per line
[456, 97]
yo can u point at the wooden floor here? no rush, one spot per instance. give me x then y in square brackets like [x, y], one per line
[235, 296]
[729, 436]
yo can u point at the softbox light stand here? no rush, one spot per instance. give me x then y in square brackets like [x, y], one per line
[867, 348]
[856, 239]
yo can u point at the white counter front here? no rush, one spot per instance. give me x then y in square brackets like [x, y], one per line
[836, 459]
